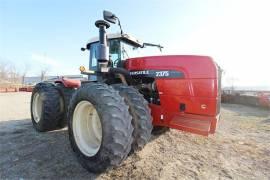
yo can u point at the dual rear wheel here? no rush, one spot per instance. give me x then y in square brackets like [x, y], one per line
[49, 106]
[105, 123]
[46, 107]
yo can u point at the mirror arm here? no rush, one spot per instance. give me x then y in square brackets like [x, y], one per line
[119, 24]
[153, 45]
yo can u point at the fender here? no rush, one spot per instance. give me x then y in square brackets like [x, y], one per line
[69, 83]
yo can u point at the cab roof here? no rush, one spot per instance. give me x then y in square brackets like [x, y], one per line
[125, 37]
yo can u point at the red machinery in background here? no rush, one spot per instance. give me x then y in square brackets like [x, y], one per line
[264, 99]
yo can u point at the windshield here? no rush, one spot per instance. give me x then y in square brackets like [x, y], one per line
[119, 50]
[115, 53]
[128, 51]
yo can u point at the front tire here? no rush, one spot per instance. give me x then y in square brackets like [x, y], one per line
[100, 129]
[141, 115]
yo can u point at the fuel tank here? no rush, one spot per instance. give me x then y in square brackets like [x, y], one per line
[188, 87]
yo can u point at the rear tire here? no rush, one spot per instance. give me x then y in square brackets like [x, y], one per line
[66, 94]
[116, 130]
[141, 115]
[46, 111]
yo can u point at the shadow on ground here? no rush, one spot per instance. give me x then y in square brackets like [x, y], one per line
[26, 153]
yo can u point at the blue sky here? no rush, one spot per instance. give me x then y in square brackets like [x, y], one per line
[38, 34]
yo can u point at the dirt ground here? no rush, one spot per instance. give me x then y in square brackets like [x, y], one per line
[239, 150]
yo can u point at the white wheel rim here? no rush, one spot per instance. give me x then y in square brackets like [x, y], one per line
[37, 107]
[87, 128]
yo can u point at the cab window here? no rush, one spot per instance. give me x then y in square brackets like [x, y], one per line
[119, 50]
[93, 59]
[115, 53]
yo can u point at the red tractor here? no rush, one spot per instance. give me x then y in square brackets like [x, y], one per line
[114, 112]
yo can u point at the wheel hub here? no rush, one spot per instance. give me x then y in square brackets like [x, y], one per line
[87, 128]
[37, 107]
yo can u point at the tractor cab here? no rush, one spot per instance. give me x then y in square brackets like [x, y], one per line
[121, 47]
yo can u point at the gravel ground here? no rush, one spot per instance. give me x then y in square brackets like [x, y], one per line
[239, 149]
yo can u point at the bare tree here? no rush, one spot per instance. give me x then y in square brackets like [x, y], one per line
[13, 73]
[3, 71]
[24, 73]
[232, 81]
[44, 72]
[9, 73]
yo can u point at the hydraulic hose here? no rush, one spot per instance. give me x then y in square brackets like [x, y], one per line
[123, 72]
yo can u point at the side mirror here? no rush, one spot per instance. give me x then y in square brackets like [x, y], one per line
[110, 17]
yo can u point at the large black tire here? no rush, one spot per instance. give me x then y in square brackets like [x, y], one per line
[115, 122]
[66, 94]
[141, 115]
[50, 107]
